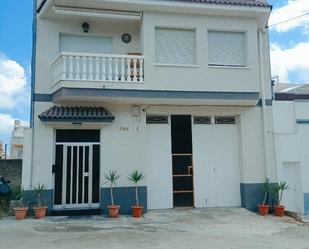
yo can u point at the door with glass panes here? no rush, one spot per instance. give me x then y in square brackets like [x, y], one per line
[77, 169]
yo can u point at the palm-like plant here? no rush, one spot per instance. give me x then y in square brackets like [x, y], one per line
[279, 188]
[19, 197]
[267, 189]
[39, 190]
[136, 176]
[112, 178]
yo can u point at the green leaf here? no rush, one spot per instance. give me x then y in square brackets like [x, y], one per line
[136, 176]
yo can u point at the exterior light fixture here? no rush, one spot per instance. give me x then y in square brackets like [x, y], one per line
[85, 27]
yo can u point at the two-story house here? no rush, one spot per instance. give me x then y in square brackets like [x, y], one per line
[179, 89]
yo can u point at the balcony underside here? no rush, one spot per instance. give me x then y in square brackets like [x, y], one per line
[65, 95]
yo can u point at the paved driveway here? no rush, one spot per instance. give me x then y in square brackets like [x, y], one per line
[179, 229]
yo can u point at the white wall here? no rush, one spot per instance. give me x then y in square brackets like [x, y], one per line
[124, 149]
[292, 142]
[48, 31]
[199, 77]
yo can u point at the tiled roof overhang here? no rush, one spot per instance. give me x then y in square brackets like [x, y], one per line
[76, 114]
[250, 3]
[40, 7]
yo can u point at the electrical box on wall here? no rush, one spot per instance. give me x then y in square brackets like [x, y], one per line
[136, 111]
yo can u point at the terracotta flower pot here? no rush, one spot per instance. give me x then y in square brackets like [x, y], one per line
[113, 211]
[263, 209]
[137, 211]
[39, 212]
[279, 210]
[20, 213]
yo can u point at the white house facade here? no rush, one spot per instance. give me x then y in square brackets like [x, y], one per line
[180, 90]
[291, 133]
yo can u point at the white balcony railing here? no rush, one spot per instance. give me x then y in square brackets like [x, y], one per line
[98, 67]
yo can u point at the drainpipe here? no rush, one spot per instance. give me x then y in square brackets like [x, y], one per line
[263, 98]
[33, 64]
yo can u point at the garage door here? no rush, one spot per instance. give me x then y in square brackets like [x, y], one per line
[216, 162]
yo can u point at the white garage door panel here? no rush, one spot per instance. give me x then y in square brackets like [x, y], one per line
[159, 166]
[216, 165]
[204, 181]
[227, 165]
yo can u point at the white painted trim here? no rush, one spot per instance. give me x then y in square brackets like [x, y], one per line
[99, 13]
[76, 206]
[78, 144]
[175, 65]
[64, 173]
[90, 168]
[228, 67]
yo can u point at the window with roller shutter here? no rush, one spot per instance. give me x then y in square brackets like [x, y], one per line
[175, 46]
[227, 48]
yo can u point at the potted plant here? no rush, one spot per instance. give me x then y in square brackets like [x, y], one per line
[112, 177]
[136, 176]
[263, 208]
[278, 189]
[39, 210]
[20, 211]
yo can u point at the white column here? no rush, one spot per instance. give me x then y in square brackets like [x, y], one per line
[122, 63]
[84, 74]
[103, 69]
[110, 69]
[128, 69]
[97, 69]
[77, 74]
[141, 70]
[116, 73]
[64, 67]
[134, 70]
[70, 67]
[90, 77]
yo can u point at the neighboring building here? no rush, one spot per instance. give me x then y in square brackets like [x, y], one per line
[2, 150]
[17, 141]
[291, 133]
[178, 89]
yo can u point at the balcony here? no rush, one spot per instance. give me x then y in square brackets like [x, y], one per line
[85, 67]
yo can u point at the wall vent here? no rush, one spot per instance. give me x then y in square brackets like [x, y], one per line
[157, 120]
[202, 120]
[225, 120]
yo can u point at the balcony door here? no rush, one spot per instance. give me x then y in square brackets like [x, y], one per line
[77, 169]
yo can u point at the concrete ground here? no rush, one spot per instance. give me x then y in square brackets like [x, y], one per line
[181, 229]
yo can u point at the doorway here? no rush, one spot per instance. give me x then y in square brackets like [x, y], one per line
[292, 196]
[77, 169]
[182, 163]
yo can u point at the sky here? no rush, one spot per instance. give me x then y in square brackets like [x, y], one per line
[289, 44]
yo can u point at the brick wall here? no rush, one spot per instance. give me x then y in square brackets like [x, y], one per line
[11, 170]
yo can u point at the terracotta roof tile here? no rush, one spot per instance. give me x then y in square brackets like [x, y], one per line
[76, 113]
[252, 3]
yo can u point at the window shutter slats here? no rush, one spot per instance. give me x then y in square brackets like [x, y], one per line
[175, 46]
[227, 48]
[86, 44]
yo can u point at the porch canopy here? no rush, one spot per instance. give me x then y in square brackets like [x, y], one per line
[76, 114]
